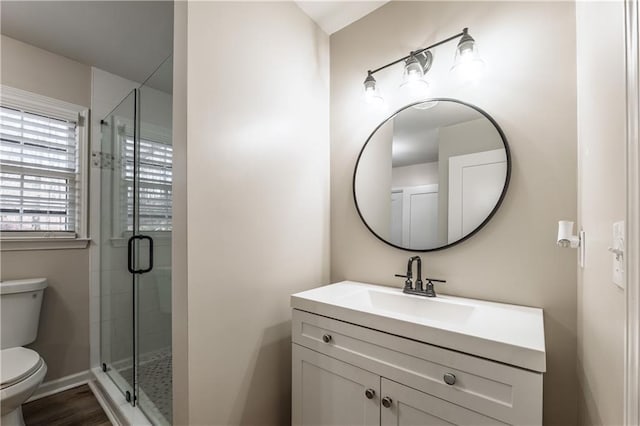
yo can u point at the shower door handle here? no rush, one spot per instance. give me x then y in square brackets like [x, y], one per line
[150, 264]
[131, 254]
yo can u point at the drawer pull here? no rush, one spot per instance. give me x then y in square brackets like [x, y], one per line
[386, 401]
[450, 378]
[369, 393]
[326, 338]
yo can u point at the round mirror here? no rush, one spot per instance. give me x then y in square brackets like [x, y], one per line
[431, 175]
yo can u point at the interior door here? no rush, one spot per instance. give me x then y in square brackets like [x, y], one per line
[476, 182]
[420, 216]
[409, 407]
[328, 392]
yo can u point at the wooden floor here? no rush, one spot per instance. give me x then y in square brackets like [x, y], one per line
[77, 406]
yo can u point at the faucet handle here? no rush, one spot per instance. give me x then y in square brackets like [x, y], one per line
[408, 284]
[429, 290]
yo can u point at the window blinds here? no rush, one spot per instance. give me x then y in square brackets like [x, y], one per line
[155, 176]
[39, 172]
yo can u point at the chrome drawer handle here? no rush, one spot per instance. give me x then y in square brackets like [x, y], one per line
[326, 338]
[450, 379]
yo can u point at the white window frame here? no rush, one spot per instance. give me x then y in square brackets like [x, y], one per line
[31, 102]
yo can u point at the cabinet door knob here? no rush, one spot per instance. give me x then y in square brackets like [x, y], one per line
[450, 378]
[326, 338]
[369, 393]
[386, 401]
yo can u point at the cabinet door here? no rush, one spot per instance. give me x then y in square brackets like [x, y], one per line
[409, 407]
[329, 392]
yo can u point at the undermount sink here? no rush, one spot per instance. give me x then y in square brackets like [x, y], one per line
[507, 333]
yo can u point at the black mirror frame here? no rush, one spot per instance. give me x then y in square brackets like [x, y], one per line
[491, 214]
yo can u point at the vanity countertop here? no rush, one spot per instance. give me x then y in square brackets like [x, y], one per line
[510, 334]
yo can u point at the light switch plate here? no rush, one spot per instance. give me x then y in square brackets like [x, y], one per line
[618, 261]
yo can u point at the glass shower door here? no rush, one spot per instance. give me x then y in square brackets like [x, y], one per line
[136, 163]
[116, 282]
[154, 198]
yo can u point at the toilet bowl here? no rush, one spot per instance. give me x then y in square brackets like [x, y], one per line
[22, 370]
[21, 373]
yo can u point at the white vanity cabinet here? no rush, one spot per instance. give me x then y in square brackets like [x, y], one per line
[371, 355]
[331, 392]
[327, 391]
[409, 407]
[343, 372]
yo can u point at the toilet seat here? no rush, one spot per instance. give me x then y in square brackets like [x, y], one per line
[17, 365]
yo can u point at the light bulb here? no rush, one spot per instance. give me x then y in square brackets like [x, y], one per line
[412, 70]
[414, 86]
[467, 63]
[371, 93]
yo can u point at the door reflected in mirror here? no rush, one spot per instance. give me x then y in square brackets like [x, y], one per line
[431, 175]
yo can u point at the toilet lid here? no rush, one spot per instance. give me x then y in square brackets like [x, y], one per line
[16, 364]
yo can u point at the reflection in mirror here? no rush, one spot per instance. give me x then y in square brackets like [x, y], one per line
[431, 175]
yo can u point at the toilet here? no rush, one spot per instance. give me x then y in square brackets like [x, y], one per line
[21, 370]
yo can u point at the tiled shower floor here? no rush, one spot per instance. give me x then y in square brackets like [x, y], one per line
[155, 384]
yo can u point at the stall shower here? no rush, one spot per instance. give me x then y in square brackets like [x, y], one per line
[136, 159]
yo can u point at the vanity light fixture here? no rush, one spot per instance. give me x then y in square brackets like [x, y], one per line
[467, 63]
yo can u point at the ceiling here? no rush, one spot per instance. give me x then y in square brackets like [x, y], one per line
[332, 16]
[130, 38]
[127, 38]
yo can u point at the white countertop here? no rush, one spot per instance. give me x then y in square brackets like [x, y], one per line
[501, 332]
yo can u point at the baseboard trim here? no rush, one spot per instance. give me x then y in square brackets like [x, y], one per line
[62, 384]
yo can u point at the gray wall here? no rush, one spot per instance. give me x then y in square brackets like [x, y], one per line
[514, 259]
[601, 195]
[257, 218]
[63, 336]
[39, 71]
[373, 183]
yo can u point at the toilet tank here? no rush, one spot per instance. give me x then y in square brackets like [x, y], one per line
[20, 303]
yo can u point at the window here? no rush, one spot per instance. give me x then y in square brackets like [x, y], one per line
[42, 190]
[155, 174]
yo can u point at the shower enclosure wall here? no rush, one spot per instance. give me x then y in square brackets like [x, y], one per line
[135, 245]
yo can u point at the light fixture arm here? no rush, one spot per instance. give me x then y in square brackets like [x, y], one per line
[417, 52]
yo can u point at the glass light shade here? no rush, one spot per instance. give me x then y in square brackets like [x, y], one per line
[467, 63]
[371, 93]
[373, 96]
[414, 91]
[414, 86]
[413, 71]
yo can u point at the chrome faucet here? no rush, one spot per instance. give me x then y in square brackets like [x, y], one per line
[418, 286]
[408, 284]
[429, 291]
